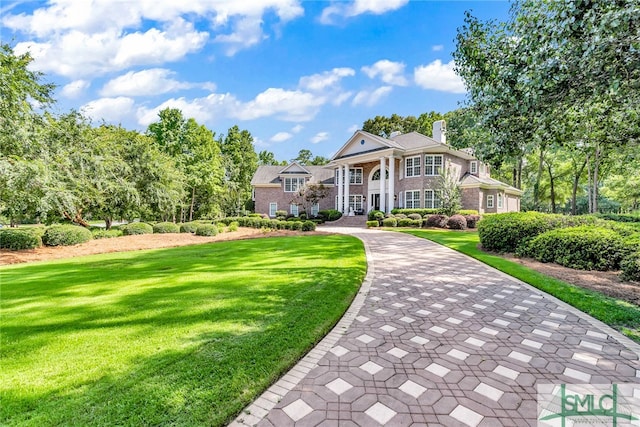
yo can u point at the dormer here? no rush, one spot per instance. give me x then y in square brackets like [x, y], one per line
[294, 176]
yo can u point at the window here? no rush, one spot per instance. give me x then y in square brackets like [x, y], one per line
[499, 200]
[291, 185]
[273, 207]
[355, 176]
[412, 199]
[355, 202]
[412, 166]
[315, 209]
[376, 175]
[473, 167]
[294, 210]
[432, 164]
[432, 199]
[490, 201]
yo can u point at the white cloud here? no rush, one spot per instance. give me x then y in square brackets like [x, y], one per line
[439, 76]
[202, 109]
[370, 99]
[437, 47]
[389, 72]
[297, 128]
[340, 98]
[325, 80]
[353, 128]
[112, 110]
[319, 137]
[75, 88]
[291, 105]
[358, 7]
[153, 81]
[281, 137]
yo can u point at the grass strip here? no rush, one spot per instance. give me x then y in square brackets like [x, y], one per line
[620, 315]
[183, 336]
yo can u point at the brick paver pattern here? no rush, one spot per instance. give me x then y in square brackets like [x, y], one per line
[444, 340]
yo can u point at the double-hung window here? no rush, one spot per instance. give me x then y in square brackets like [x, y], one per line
[291, 185]
[355, 202]
[473, 167]
[432, 199]
[293, 209]
[412, 199]
[412, 166]
[355, 176]
[315, 208]
[273, 207]
[490, 201]
[500, 200]
[432, 164]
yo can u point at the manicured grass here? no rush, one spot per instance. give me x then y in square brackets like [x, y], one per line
[183, 336]
[620, 315]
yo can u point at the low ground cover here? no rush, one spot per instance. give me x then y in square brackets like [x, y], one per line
[618, 314]
[181, 336]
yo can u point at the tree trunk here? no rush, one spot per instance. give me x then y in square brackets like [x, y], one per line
[596, 165]
[193, 200]
[536, 185]
[589, 198]
[574, 189]
[107, 223]
[77, 218]
[552, 189]
[519, 182]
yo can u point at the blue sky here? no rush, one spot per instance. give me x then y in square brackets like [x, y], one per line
[296, 74]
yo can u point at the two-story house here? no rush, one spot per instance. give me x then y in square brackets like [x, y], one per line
[413, 165]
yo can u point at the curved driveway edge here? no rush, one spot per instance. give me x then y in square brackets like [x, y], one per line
[434, 337]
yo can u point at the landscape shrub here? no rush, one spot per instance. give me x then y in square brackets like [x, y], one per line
[457, 222]
[233, 226]
[396, 216]
[166, 227]
[207, 230]
[389, 222]
[415, 216]
[137, 228]
[308, 226]
[296, 225]
[281, 214]
[371, 224]
[620, 217]
[188, 227]
[66, 235]
[426, 212]
[330, 214]
[17, 239]
[583, 248]
[256, 215]
[630, 267]
[405, 222]
[101, 233]
[375, 215]
[437, 220]
[417, 223]
[472, 220]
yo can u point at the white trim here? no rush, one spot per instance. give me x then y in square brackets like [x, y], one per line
[500, 198]
[273, 207]
[299, 183]
[433, 201]
[473, 167]
[413, 166]
[293, 209]
[435, 169]
[413, 199]
[315, 208]
[490, 203]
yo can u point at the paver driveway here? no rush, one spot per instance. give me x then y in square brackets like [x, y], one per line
[436, 338]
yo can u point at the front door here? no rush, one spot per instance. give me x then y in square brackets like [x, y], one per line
[376, 201]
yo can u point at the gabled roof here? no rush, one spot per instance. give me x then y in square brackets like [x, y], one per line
[364, 142]
[412, 140]
[472, 181]
[271, 176]
[295, 168]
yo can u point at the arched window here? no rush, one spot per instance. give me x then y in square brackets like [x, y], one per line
[376, 175]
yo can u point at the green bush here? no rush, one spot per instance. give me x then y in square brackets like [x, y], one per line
[415, 216]
[233, 226]
[206, 230]
[389, 222]
[17, 239]
[426, 212]
[437, 220]
[188, 227]
[281, 215]
[371, 224]
[405, 222]
[630, 267]
[620, 217]
[330, 214]
[375, 215]
[308, 226]
[584, 248]
[137, 228]
[101, 233]
[472, 220]
[457, 222]
[295, 225]
[66, 235]
[166, 227]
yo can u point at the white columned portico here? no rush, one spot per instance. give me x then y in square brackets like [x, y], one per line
[347, 182]
[340, 204]
[392, 171]
[383, 184]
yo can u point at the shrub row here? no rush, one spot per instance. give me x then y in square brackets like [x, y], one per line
[166, 227]
[425, 212]
[19, 238]
[274, 224]
[135, 228]
[620, 217]
[66, 235]
[101, 233]
[455, 222]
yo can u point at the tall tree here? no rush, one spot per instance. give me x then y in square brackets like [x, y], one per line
[240, 163]
[267, 158]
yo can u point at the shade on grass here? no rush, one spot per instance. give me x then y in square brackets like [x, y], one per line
[183, 336]
[618, 314]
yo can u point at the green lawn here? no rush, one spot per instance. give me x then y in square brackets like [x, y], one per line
[183, 336]
[620, 315]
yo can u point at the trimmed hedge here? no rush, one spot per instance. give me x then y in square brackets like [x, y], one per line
[17, 239]
[135, 228]
[330, 214]
[106, 234]
[583, 248]
[426, 212]
[308, 226]
[233, 226]
[437, 220]
[166, 227]
[206, 230]
[457, 222]
[375, 215]
[620, 217]
[188, 227]
[630, 267]
[472, 220]
[389, 222]
[371, 224]
[66, 235]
